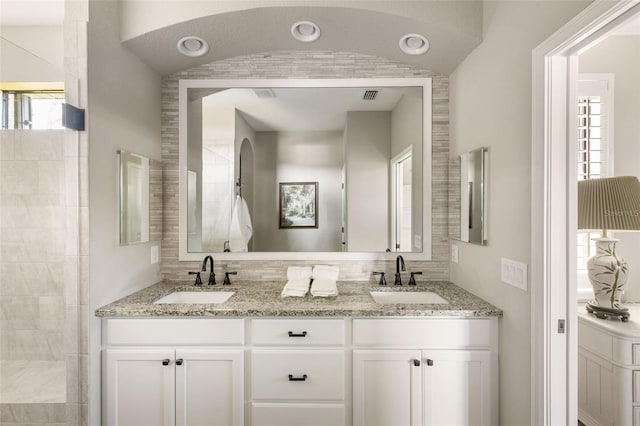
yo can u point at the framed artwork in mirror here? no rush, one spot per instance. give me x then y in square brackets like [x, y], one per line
[298, 201]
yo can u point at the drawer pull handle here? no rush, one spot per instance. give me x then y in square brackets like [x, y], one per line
[298, 379]
[179, 361]
[292, 334]
[166, 361]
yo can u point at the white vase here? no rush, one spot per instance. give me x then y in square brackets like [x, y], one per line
[607, 274]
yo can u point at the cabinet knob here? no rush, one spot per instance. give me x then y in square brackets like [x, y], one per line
[298, 379]
[430, 362]
[179, 361]
[416, 362]
[166, 361]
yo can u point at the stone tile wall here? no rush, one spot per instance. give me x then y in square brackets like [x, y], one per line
[316, 65]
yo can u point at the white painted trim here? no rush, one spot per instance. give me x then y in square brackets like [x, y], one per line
[553, 369]
[426, 83]
[402, 156]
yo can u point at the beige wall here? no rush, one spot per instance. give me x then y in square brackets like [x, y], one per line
[620, 55]
[367, 155]
[123, 113]
[31, 54]
[491, 106]
[298, 157]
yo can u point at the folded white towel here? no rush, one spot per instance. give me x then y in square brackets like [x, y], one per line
[299, 273]
[326, 272]
[324, 288]
[295, 288]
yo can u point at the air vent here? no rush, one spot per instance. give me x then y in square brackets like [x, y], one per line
[264, 93]
[370, 95]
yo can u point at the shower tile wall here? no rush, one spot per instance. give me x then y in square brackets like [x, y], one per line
[32, 245]
[40, 261]
[318, 64]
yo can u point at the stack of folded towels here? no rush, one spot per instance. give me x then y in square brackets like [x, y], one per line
[298, 279]
[324, 281]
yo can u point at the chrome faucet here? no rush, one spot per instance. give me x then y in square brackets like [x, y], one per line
[212, 275]
[399, 263]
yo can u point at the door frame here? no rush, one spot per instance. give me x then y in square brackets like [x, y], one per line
[553, 214]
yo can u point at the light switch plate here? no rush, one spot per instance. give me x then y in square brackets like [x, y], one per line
[514, 273]
[455, 254]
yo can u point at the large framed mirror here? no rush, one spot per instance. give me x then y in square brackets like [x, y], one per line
[363, 145]
[140, 187]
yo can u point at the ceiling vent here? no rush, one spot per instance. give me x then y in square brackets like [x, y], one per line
[370, 95]
[264, 93]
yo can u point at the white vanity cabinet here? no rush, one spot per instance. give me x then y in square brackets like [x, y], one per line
[609, 369]
[183, 375]
[425, 372]
[298, 372]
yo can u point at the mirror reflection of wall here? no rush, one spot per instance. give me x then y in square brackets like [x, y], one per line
[140, 199]
[473, 189]
[344, 138]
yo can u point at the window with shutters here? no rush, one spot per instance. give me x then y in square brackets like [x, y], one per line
[595, 153]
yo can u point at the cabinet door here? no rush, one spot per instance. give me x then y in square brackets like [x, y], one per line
[387, 388]
[139, 387]
[457, 388]
[209, 387]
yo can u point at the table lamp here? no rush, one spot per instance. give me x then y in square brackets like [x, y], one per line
[608, 204]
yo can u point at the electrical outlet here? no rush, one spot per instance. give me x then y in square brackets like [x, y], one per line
[514, 273]
[455, 255]
[155, 255]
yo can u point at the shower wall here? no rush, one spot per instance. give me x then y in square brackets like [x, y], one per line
[38, 174]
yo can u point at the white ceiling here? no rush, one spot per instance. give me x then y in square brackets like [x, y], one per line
[267, 29]
[31, 12]
[304, 109]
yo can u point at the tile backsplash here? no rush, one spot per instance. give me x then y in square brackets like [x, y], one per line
[313, 65]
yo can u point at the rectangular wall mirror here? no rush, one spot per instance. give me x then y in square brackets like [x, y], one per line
[365, 144]
[140, 199]
[473, 196]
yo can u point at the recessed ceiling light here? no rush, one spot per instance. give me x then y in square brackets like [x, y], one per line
[193, 46]
[305, 31]
[414, 44]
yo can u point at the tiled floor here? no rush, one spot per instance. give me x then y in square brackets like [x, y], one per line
[32, 382]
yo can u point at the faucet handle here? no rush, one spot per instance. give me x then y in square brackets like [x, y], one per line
[412, 279]
[383, 280]
[198, 279]
[212, 278]
[227, 280]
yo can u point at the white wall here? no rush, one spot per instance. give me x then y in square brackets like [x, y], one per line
[298, 157]
[491, 106]
[406, 129]
[367, 156]
[123, 113]
[620, 55]
[31, 54]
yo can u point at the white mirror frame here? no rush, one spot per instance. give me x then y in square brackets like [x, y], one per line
[425, 83]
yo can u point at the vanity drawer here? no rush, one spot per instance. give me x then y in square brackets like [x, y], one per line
[429, 332]
[297, 414]
[163, 331]
[320, 374]
[635, 353]
[297, 332]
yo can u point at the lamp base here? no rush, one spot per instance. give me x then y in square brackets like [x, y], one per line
[606, 313]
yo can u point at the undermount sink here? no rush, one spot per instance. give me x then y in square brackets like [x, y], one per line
[201, 297]
[407, 297]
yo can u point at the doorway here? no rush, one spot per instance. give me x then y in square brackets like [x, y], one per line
[401, 194]
[554, 218]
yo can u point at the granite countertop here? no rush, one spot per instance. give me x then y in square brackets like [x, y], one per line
[262, 299]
